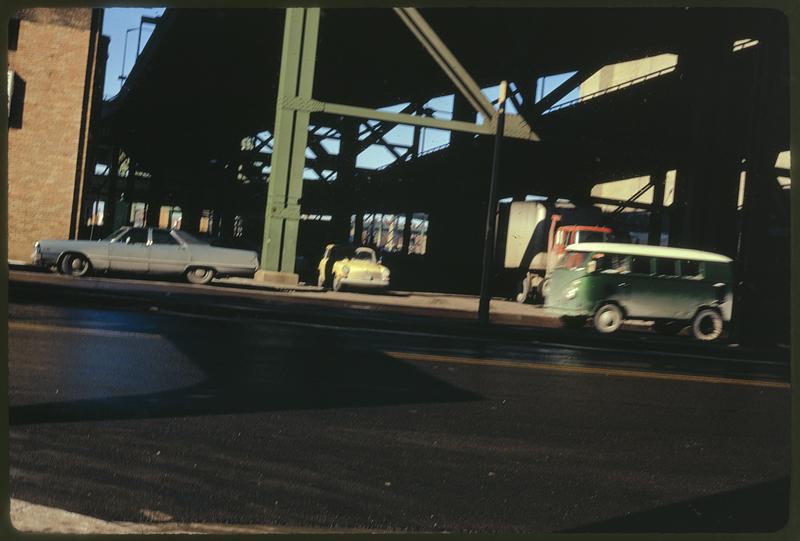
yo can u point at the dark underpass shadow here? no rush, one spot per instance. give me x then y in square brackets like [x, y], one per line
[762, 507]
[254, 368]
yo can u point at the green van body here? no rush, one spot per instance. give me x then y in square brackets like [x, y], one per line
[641, 282]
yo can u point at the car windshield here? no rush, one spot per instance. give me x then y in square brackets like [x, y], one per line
[187, 238]
[115, 234]
[363, 256]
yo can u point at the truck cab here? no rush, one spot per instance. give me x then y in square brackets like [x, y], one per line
[533, 234]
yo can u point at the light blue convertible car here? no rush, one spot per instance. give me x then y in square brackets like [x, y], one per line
[146, 250]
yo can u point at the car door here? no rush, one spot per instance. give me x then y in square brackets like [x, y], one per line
[129, 253]
[167, 254]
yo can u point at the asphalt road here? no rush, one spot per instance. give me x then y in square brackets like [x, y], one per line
[141, 412]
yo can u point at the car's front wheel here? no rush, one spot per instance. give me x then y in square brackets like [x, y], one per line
[200, 275]
[75, 265]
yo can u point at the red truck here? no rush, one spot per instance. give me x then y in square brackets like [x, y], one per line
[531, 236]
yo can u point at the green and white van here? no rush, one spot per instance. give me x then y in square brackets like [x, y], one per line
[673, 287]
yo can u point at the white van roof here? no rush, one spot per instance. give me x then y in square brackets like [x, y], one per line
[645, 250]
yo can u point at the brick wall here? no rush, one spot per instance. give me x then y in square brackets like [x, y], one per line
[43, 154]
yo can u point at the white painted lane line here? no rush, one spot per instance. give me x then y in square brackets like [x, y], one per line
[423, 357]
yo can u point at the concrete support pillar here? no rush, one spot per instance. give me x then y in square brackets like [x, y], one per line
[656, 208]
[153, 212]
[282, 216]
[407, 233]
[761, 305]
[113, 197]
[190, 217]
[704, 209]
[358, 230]
[346, 190]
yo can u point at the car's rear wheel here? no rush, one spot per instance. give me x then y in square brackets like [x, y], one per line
[200, 275]
[75, 265]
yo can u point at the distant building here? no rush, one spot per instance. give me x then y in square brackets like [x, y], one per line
[55, 76]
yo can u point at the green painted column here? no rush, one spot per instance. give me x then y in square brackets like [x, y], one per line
[291, 136]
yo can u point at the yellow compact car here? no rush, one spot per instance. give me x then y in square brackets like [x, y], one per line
[343, 265]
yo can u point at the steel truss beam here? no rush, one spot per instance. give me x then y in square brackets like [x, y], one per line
[512, 129]
[562, 90]
[461, 78]
[621, 203]
[295, 104]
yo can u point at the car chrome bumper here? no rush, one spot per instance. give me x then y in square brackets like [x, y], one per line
[364, 283]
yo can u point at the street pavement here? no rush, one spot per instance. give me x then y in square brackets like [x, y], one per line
[164, 411]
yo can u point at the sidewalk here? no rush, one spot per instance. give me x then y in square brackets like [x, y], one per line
[460, 307]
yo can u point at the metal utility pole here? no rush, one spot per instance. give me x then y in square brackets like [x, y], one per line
[491, 210]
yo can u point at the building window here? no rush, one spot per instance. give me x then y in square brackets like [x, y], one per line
[170, 217]
[138, 216]
[419, 234]
[386, 232]
[238, 227]
[206, 222]
[97, 213]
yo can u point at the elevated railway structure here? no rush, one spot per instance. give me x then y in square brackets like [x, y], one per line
[254, 123]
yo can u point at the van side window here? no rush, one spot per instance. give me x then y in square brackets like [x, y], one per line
[612, 263]
[640, 265]
[691, 269]
[666, 267]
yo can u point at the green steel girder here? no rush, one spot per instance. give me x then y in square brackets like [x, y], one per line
[296, 80]
[515, 126]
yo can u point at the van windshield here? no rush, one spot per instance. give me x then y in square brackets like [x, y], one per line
[572, 260]
[590, 236]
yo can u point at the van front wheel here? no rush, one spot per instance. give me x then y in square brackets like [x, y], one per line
[608, 318]
[707, 325]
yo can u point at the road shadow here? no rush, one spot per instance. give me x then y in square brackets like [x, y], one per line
[255, 368]
[762, 507]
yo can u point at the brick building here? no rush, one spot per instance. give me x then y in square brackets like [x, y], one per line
[56, 66]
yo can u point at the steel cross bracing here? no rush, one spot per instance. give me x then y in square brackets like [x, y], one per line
[295, 104]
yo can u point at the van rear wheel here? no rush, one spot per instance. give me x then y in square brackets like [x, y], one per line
[707, 325]
[608, 318]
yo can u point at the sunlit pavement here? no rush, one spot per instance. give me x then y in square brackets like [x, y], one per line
[135, 412]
